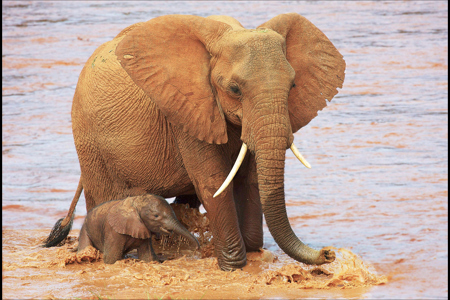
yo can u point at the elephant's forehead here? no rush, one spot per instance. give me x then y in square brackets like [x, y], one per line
[253, 44]
[254, 39]
[155, 204]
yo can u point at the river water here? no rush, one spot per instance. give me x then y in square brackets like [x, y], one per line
[377, 189]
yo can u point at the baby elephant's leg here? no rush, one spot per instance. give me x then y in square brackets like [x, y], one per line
[113, 248]
[83, 239]
[146, 252]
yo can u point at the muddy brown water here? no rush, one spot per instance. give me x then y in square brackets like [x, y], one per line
[377, 191]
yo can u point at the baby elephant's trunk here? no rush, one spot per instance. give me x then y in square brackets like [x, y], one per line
[178, 228]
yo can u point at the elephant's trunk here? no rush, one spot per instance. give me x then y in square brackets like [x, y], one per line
[271, 142]
[178, 228]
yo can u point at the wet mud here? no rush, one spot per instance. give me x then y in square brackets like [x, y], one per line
[61, 272]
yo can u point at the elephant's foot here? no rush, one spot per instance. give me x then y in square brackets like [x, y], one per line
[227, 265]
[112, 252]
[253, 242]
[230, 260]
[111, 258]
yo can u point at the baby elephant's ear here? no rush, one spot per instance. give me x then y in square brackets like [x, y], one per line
[125, 219]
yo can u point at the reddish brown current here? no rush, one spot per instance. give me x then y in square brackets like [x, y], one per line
[377, 190]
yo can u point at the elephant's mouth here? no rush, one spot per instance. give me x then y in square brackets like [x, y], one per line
[240, 159]
[165, 231]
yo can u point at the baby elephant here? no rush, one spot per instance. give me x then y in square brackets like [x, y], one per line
[118, 226]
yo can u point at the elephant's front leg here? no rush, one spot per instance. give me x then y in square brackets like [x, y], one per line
[113, 245]
[248, 204]
[207, 166]
[227, 238]
[145, 251]
[113, 251]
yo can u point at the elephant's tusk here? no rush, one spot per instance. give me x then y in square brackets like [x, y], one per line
[300, 156]
[234, 170]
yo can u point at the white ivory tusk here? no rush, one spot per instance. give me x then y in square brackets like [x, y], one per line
[300, 156]
[234, 170]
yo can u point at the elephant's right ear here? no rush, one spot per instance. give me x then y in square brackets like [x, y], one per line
[124, 219]
[319, 67]
[168, 58]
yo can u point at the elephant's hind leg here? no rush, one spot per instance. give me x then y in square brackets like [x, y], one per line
[250, 217]
[83, 239]
[100, 183]
[248, 205]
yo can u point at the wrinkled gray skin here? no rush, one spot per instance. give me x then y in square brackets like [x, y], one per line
[119, 226]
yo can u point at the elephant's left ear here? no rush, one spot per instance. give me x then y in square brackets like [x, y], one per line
[168, 58]
[319, 67]
[124, 219]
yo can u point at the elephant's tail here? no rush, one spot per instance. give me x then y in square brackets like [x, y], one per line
[62, 227]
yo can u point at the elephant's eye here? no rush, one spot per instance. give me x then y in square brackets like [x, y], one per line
[293, 85]
[156, 216]
[235, 90]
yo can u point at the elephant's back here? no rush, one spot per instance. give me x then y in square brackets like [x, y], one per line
[110, 111]
[103, 85]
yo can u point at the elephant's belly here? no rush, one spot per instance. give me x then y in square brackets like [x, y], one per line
[153, 165]
[154, 174]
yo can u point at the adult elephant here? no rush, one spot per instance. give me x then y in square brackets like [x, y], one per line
[166, 105]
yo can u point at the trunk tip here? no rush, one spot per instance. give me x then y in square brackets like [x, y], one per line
[326, 256]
